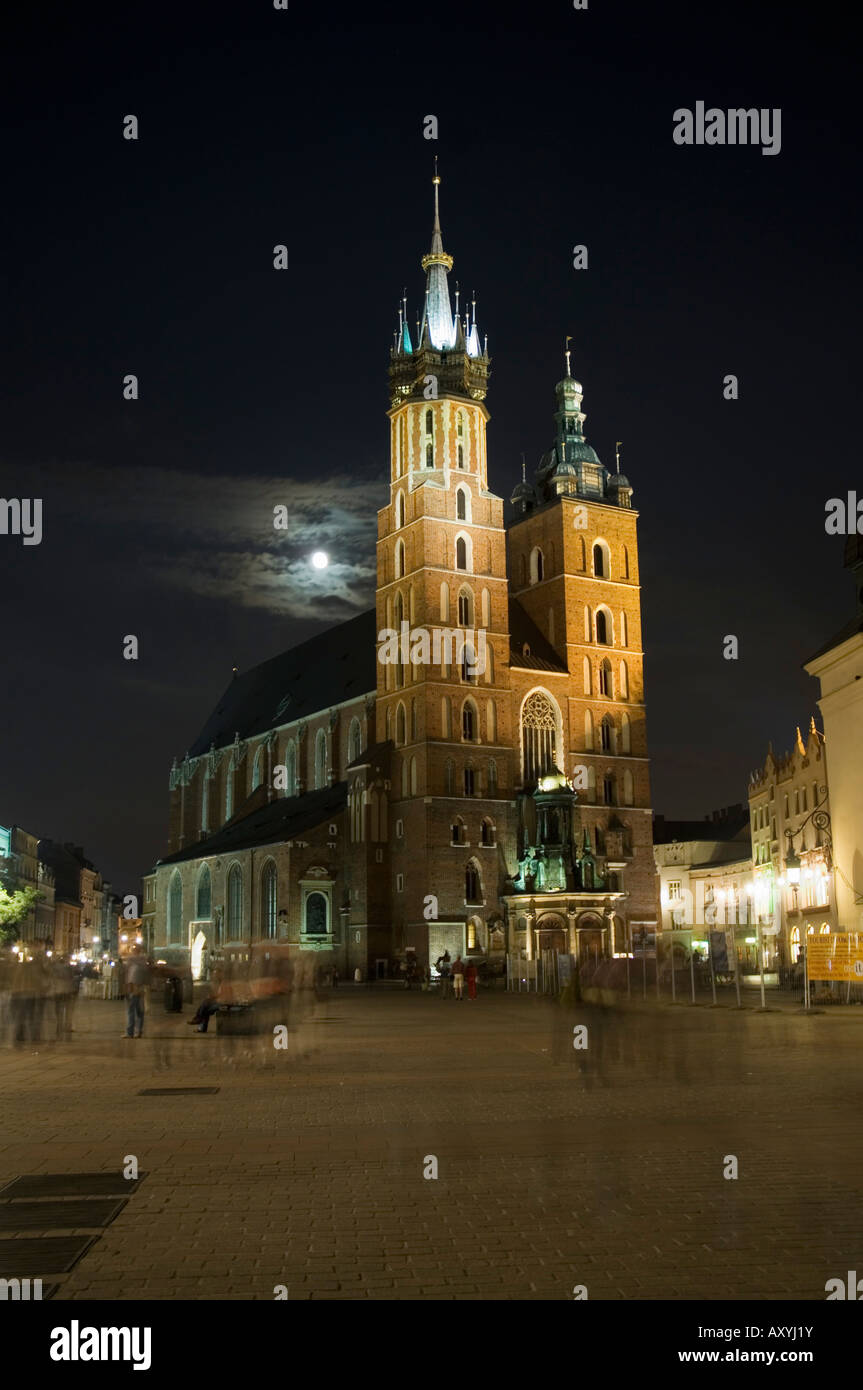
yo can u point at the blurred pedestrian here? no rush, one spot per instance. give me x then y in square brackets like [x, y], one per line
[458, 976]
[138, 978]
[443, 966]
[64, 989]
[470, 975]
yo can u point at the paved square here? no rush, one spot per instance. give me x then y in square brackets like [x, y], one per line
[555, 1168]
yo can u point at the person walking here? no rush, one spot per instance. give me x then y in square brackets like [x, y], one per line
[458, 976]
[443, 966]
[471, 974]
[137, 982]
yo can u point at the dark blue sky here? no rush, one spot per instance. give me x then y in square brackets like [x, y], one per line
[260, 127]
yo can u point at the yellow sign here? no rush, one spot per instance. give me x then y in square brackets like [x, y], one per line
[837, 956]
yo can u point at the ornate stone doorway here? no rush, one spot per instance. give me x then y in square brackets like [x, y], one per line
[551, 934]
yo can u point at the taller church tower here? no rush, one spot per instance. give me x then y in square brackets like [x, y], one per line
[442, 696]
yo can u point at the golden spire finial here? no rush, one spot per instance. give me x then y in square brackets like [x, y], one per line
[617, 448]
[567, 351]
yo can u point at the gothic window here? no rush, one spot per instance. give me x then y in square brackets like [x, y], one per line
[316, 914]
[268, 902]
[444, 602]
[608, 790]
[605, 680]
[175, 908]
[468, 664]
[465, 608]
[203, 894]
[235, 903]
[586, 674]
[587, 624]
[355, 740]
[588, 729]
[536, 565]
[601, 566]
[461, 503]
[602, 626]
[489, 664]
[623, 630]
[429, 422]
[400, 560]
[256, 768]
[460, 424]
[400, 509]
[461, 456]
[539, 730]
[401, 735]
[468, 722]
[486, 608]
[491, 721]
[624, 681]
[429, 456]
[461, 553]
[625, 734]
[605, 736]
[469, 781]
[458, 831]
[472, 887]
[446, 716]
[320, 759]
[449, 777]
[486, 833]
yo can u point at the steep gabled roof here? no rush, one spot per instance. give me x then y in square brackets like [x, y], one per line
[335, 666]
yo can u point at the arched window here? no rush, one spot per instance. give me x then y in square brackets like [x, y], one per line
[472, 885]
[795, 945]
[317, 912]
[606, 734]
[461, 456]
[628, 789]
[588, 630]
[588, 729]
[459, 426]
[601, 560]
[444, 602]
[602, 626]
[485, 608]
[469, 664]
[429, 422]
[586, 674]
[446, 716]
[401, 725]
[489, 663]
[608, 795]
[320, 759]
[449, 777]
[291, 769]
[487, 831]
[205, 803]
[605, 679]
[429, 456]
[400, 560]
[623, 629]
[625, 734]
[462, 553]
[540, 724]
[175, 908]
[492, 777]
[624, 681]
[461, 503]
[400, 509]
[355, 740]
[458, 831]
[491, 721]
[256, 768]
[234, 922]
[536, 565]
[269, 912]
[469, 722]
[465, 607]
[203, 894]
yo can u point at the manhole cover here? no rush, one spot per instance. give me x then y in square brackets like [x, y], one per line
[72, 1185]
[49, 1255]
[180, 1091]
[57, 1216]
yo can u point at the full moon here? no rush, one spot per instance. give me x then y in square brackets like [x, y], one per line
[320, 560]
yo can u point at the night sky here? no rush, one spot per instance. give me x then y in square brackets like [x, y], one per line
[304, 127]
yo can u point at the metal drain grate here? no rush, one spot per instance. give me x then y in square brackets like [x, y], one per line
[71, 1185]
[58, 1216]
[180, 1091]
[21, 1259]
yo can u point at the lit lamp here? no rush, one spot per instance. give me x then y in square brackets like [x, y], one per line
[792, 866]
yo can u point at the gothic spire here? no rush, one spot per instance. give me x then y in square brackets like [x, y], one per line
[437, 315]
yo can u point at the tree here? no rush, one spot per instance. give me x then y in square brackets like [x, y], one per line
[14, 907]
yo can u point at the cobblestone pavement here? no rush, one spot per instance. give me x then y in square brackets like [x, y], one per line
[556, 1168]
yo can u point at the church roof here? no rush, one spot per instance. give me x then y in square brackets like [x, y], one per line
[335, 666]
[523, 631]
[850, 629]
[273, 823]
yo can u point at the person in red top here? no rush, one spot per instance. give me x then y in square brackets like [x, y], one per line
[470, 975]
[458, 977]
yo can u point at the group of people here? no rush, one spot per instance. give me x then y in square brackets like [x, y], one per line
[37, 998]
[454, 975]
